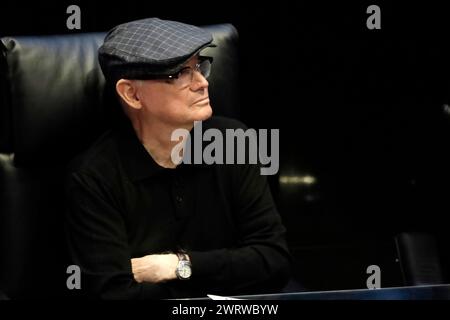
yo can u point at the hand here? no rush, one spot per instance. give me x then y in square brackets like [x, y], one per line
[155, 268]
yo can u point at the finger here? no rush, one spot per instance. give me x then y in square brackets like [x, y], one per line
[137, 277]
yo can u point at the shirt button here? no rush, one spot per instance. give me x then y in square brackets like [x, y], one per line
[179, 199]
[178, 182]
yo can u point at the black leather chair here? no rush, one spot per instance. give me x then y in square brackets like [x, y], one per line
[419, 258]
[52, 106]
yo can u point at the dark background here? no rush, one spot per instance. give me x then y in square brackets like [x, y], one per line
[362, 111]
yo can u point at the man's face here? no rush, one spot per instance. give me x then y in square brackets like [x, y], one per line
[176, 102]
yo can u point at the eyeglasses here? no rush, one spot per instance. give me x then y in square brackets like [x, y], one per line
[184, 77]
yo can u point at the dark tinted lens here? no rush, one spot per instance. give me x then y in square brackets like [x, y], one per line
[205, 68]
[184, 77]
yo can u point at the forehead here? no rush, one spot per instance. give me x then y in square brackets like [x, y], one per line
[192, 61]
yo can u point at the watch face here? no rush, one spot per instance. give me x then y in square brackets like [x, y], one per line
[184, 270]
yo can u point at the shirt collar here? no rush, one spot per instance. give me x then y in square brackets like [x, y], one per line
[135, 159]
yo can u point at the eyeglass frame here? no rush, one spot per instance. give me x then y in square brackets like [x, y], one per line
[176, 75]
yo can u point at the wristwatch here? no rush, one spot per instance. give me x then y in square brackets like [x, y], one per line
[184, 268]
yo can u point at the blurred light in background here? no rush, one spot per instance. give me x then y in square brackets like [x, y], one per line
[298, 180]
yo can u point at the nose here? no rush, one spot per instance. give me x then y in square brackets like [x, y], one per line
[199, 81]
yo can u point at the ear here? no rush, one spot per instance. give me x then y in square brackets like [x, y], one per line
[128, 91]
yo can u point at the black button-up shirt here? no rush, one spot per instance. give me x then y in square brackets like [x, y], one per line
[123, 205]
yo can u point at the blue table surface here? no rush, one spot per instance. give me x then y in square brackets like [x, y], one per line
[423, 292]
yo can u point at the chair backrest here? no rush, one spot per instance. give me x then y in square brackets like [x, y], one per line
[419, 258]
[52, 106]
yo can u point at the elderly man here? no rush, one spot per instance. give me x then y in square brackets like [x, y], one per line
[140, 225]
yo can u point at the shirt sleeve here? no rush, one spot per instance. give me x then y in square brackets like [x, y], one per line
[260, 263]
[97, 241]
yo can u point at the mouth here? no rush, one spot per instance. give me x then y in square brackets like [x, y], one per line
[202, 101]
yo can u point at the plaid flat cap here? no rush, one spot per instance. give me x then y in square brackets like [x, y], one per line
[150, 46]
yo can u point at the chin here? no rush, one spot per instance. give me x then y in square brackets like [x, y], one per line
[204, 113]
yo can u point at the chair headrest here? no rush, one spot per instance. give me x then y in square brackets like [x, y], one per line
[54, 95]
